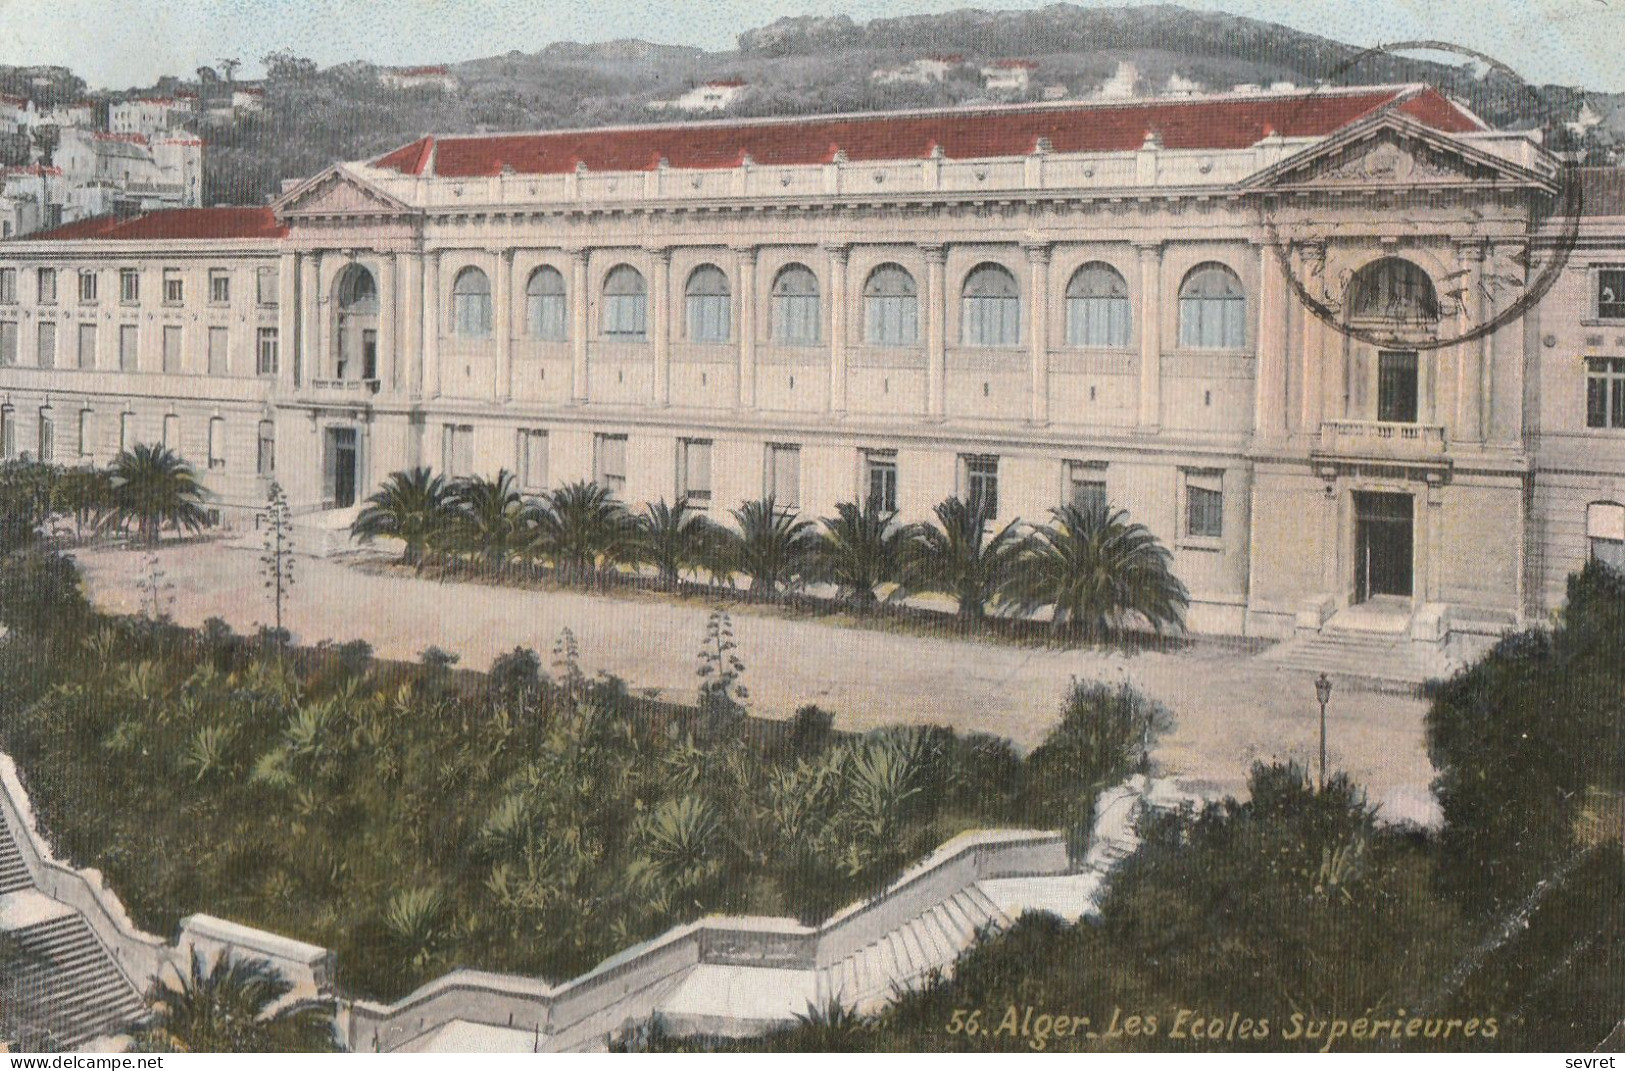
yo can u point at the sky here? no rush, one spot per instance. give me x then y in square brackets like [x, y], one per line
[116, 44]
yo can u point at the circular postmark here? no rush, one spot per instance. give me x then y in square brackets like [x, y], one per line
[1468, 237]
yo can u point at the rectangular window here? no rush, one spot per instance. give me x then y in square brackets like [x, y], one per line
[45, 344]
[1086, 485]
[8, 286]
[532, 459]
[457, 450]
[1605, 393]
[265, 457]
[783, 481]
[87, 423]
[694, 471]
[172, 432]
[266, 286]
[266, 346]
[45, 283]
[87, 346]
[219, 354]
[172, 348]
[8, 342]
[128, 352]
[880, 480]
[47, 436]
[1611, 294]
[129, 286]
[87, 287]
[174, 287]
[979, 476]
[126, 431]
[609, 463]
[1396, 387]
[1204, 504]
[219, 287]
[217, 442]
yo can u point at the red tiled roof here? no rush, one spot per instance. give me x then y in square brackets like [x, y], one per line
[728, 83]
[1188, 123]
[1016, 65]
[217, 224]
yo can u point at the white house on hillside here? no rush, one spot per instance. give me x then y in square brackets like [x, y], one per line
[709, 97]
[1009, 76]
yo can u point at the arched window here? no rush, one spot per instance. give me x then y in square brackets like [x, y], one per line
[626, 304]
[796, 317]
[1097, 310]
[891, 307]
[992, 308]
[1212, 309]
[1393, 289]
[545, 312]
[471, 304]
[356, 330]
[1605, 529]
[710, 305]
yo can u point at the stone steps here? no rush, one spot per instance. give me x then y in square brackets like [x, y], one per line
[1373, 661]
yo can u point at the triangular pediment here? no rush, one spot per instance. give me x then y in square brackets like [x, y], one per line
[337, 192]
[1394, 151]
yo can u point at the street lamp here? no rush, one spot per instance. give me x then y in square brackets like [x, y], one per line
[1323, 692]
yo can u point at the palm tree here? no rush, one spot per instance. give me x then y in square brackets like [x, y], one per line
[674, 538]
[582, 529]
[227, 1007]
[153, 486]
[85, 494]
[957, 557]
[861, 549]
[1094, 569]
[412, 506]
[489, 518]
[771, 546]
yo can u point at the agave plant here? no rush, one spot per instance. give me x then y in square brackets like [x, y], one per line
[582, 529]
[957, 557]
[209, 752]
[883, 774]
[415, 921]
[1095, 570]
[412, 506]
[861, 549]
[154, 488]
[674, 539]
[234, 1005]
[771, 546]
[680, 839]
[490, 520]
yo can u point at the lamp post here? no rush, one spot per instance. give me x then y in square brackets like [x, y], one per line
[1323, 692]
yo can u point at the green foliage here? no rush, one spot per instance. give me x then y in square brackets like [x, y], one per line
[957, 557]
[413, 506]
[1095, 571]
[771, 546]
[40, 594]
[860, 549]
[228, 1006]
[489, 520]
[675, 539]
[276, 561]
[154, 488]
[583, 531]
[720, 667]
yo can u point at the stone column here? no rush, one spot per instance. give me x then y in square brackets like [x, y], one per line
[1434, 531]
[579, 326]
[502, 314]
[309, 358]
[431, 324]
[1038, 254]
[1509, 341]
[389, 301]
[1150, 415]
[1313, 358]
[660, 321]
[1273, 315]
[288, 315]
[936, 353]
[839, 257]
[412, 325]
[745, 269]
[1470, 378]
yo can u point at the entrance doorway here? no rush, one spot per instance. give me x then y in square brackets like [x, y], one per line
[341, 466]
[1383, 545]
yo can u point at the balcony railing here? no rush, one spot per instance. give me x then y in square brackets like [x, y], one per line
[1380, 439]
[345, 386]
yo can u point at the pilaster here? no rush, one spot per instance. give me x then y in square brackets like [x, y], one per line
[502, 314]
[660, 322]
[839, 256]
[745, 269]
[1150, 408]
[578, 326]
[1038, 258]
[936, 354]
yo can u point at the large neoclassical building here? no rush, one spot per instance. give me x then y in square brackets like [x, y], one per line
[1325, 344]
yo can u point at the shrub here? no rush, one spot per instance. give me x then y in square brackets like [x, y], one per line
[40, 594]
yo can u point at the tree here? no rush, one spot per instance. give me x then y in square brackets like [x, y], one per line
[674, 539]
[276, 563]
[860, 550]
[771, 546]
[228, 67]
[582, 529]
[412, 506]
[489, 519]
[1094, 569]
[228, 1007]
[40, 594]
[154, 487]
[956, 557]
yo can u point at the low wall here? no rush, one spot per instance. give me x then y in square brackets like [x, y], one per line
[307, 968]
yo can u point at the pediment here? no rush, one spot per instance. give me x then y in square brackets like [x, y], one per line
[1394, 151]
[338, 192]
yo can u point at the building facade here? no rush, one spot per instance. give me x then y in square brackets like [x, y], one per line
[1296, 335]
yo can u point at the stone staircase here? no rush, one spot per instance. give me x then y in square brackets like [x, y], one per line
[60, 988]
[1373, 661]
